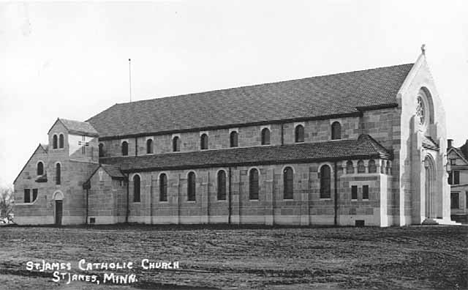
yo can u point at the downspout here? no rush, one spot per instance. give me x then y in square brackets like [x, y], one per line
[87, 205]
[128, 201]
[151, 200]
[136, 146]
[336, 194]
[282, 134]
[230, 196]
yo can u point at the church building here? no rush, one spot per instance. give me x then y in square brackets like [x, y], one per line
[362, 148]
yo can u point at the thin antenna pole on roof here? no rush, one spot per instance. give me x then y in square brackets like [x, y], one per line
[130, 76]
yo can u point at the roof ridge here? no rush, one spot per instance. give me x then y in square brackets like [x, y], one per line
[262, 84]
[310, 98]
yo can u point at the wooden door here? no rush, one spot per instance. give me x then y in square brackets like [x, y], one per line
[58, 212]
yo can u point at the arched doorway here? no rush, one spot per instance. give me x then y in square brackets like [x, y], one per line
[58, 198]
[429, 187]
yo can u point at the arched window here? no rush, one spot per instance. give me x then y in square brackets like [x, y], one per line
[40, 168]
[288, 182]
[55, 142]
[191, 184]
[388, 170]
[101, 150]
[221, 185]
[336, 131]
[204, 142]
[233, 139]
[360, 167]
[163, 187]
[149, 146]
[61, 141]
[58, 173]
[325, 182]
[299, 133]
[265, 136]
[372, 166]
[253, 184]
[136, 188]
[124, 148]
[176, 144]
[349, 167]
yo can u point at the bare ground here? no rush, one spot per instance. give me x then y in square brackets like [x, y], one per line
[222, 257]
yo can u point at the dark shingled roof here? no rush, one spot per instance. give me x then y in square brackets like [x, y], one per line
[428, 143]
[330, 95]
[80, 128]
[363, 147]
[113, 171]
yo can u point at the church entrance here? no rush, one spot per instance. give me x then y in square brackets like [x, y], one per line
[429, 188]
[58, 212]
[58, 197]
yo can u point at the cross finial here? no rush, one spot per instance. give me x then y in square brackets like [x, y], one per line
[423, 49]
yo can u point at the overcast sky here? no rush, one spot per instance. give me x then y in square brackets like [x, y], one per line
[70, 60]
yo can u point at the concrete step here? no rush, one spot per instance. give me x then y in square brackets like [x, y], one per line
[436, 221]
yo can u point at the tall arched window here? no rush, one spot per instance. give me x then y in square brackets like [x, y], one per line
[221, 185]
[336, 131]
[149, 146]
[58, 173]
[176, 144]
[191, 185]
[349, 167]
[253, 184]
[54, 142]
[40, 168]
[233, 139]
[101, 150]
[325, 182]
[288, 181]
[265, 136]
[203, 142]
[299, 133]
[372, 166]
[124, 148]
[360, 167]
[61, 141]
[136, 188]
[163, 187]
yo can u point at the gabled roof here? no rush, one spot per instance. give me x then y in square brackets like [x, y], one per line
[361, 148]
[45, 147]
[343, 94]
[40, 146]
[113, 171]
[464, 149]
[77, 127]
[428, 143]
[459, 152]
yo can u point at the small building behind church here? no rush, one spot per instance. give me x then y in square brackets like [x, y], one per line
[458, 180]
[362, 148]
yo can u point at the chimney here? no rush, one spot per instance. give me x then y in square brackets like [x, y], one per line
[449, 143]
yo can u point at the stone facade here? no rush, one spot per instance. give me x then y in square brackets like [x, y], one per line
[394, 176]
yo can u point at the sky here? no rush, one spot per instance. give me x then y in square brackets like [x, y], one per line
[70, 60]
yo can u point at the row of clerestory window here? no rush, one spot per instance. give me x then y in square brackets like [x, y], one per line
[254, 186]
[233, 139]
[58, 141]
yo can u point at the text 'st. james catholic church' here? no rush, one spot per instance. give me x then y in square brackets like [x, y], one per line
[357, 148]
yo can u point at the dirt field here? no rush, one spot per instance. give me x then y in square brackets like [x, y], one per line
[423, 257]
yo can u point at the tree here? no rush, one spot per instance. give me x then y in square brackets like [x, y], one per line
[6, 204]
